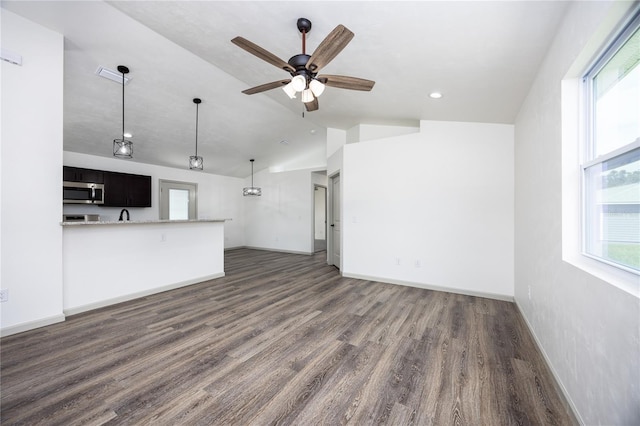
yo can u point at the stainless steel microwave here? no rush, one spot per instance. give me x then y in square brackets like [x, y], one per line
[82, 193]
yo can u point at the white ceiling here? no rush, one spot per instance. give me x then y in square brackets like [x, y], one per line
[482, 55]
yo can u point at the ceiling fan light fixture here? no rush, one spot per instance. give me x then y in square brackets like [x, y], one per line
[289, 90]
[123, 148]
[307, 96]
[196, 162]
[298, 83]
[316, 87]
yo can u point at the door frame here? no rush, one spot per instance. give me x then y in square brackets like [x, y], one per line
[330, 219]
[326, 219]
[163, 200]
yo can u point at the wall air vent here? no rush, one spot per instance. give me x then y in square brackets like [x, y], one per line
[111, 75]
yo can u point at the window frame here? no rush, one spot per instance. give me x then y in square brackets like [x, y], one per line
[588, 143]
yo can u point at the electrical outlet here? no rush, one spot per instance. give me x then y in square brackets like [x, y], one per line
[4, 295]
[417, 264]
[397, 261]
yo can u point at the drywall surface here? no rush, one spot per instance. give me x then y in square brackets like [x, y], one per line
[106, 264]
[31, 167]
[587, 328]
[432, 209]
[282, 218]
[218, 196]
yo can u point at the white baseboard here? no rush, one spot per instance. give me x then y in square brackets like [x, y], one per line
[308, 253]
[558, 383]
[30, 325]
[127, 297]
[487, 295]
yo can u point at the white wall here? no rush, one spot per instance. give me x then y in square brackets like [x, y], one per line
[282, 218]
[219, 197]
[432, 209]
[588, 329]
[31, 167]
[106, 264]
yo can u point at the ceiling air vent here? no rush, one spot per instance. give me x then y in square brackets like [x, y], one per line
[111, 75]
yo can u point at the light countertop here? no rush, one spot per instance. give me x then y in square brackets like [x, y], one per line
[138, 222]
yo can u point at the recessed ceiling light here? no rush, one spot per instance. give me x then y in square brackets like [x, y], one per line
[435, 95]
[111, 75]
[312, 131]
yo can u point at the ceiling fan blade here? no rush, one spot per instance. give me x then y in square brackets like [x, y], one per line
[313, 105]
[265, 87]
[329, 48]
[346, 82]
[261, 53]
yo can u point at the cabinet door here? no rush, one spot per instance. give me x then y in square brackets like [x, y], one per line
[77, 174]
[115, 189]
[125, 190]
[139, 191]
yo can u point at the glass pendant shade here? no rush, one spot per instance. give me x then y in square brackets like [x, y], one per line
[196, 162]
[298, 83]
[252, 190]
[289, 90]
[316, 87]
[307, 96]
[123, 148]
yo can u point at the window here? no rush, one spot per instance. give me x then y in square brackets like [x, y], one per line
[611, 166]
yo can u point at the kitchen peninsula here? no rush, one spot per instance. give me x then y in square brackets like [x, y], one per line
[111, 262]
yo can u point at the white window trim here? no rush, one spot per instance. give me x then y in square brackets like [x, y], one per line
[588, 143]
[573, 133]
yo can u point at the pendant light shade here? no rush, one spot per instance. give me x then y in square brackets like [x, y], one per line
[299, 83]
[316, 87]
[195, 161]
[289, 90]
[252, 190]
[307, 96]
[123, 148]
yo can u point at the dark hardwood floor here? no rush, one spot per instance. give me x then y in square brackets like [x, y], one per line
[282, 339]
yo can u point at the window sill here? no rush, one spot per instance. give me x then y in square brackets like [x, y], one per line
[626, 281]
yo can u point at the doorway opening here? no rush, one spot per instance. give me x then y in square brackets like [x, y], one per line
[178, 200]
[333, 240]
[319, 218]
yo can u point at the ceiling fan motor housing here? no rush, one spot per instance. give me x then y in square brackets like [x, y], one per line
[299, 62]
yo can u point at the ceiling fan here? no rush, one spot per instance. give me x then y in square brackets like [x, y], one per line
[304, 68]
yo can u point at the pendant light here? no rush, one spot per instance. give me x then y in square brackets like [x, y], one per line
[252, 190]
[195, 161]
[122, 148]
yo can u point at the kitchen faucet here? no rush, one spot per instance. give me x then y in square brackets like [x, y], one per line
[122, 212]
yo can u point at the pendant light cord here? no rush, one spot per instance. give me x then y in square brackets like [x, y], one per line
[197, 129]
[252, 173]
[123, 107]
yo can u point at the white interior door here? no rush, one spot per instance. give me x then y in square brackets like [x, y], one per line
[335, 221]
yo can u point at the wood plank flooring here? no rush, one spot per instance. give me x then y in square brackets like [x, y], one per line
[282, 339]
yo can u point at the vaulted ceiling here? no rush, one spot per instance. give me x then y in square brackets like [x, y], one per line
[482, 55]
